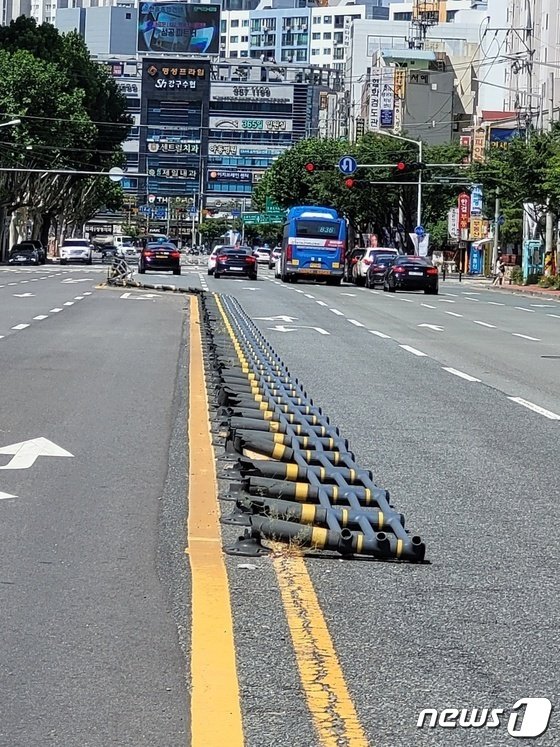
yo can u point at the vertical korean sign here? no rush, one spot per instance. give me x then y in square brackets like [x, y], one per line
[400, 83]
[464, 204]
[387, 113]
[374, 99]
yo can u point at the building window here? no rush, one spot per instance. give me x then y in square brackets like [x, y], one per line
[315, 36]
[315, 52]
[244, 38]
[316, 20]
[235, 24]
[402, 16]
[233, 54]
[128, 16]
[245, 23]
[223, 27]
[339, 53]
[327, 19]
[244, 53]
[301, 55]
[451, 15]
[327, 50]
[339, 37]
[223, 39]
[328, 35]
[234, 39]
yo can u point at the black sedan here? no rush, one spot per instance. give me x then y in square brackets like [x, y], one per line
[411, 273]
[377, 264]
[160, 257]
[236, 260]
[23, 254]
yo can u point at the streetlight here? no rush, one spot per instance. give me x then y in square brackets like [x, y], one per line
[10, 123]
[419, 144]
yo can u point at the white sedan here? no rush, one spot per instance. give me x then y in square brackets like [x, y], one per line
[212, 258]
[76, 250]
[262, 255]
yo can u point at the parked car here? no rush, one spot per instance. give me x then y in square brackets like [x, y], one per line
[377, 264]
[160, 257]
[76, 250]
[360, 268]
[23, 254]
[411, 273]
[236, 260]
[274, 256]
[41, 251]
[212, 258]
[263, 255]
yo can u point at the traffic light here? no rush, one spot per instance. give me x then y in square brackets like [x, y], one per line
[406, 167]
[350, 183]
[310, 167]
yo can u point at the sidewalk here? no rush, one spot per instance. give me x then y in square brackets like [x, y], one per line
[486, 283]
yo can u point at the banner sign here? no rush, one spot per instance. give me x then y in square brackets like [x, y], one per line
[476, 200]
[464, 204]
[387, 98]
[275, 94]
[453, 223]
[375, 98]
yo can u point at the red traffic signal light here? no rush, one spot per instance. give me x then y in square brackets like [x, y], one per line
[349, 183]
[401, 166]
[310, 167]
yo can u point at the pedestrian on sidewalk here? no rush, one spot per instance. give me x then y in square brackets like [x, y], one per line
[499, 272]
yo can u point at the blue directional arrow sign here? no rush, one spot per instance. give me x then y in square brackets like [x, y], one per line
[420, 232]
[347, 165]
[501, 220]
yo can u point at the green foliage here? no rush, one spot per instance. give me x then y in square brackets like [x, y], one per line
[368, 207]
[516, 275]
[214, 228]
[550, 281]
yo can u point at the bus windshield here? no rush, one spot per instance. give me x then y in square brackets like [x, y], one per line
[317, 228]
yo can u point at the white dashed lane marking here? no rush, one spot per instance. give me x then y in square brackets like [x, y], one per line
[484, 324]
[526, 337]
[356, 323]
[460, 374]
[21, 326]
[535, 408]
[380, 334]
[337, 312]
[414, 351]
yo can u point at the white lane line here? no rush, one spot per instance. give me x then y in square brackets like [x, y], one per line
[526, 337]
[380, 334]
[21, 326]
[461, 374]
[54, 311]
[337, 312]
[321, 303]
[412, 350]
[406, 300]
[308, 295]
[446, 300]
[12, 283]
[427, 306]
[87, 293]
[542, 305]
[522, 308]
[78, 298]
[24, 281]
[535, 408]
[1, 337]
[484, 324]
[355, 323]
[297, 290]
[555, 316]
[68, 303]
[41, 317]
[451, 294]
[452, 313]
[470, 293]
[349, 294]
[472, 299]
[375, 293]
[496, 303]
[34, 280]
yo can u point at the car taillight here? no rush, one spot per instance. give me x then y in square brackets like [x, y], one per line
[367, 261]
[176, 255]
[431, 271]
[400, 269]
[221, 257]
[148, 253]
[251, 259]
[289, 250]
[378, 268]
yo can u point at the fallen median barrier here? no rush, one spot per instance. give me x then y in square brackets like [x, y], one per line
[288, 470]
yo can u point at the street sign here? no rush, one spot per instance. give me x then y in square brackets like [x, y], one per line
[271, 206]
[252, 219]
[116, 174]
[193, 211]
[235, 213]
[501, 220]
[151, 199]
[144, 209]
[419, 231]
[347, 165]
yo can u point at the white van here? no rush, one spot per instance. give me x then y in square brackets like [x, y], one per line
[126, 247]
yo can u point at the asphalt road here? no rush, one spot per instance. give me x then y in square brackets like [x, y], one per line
[458, 419]
[91, 653]
[472, 470]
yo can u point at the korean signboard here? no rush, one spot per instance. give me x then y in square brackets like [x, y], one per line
[464, 206]
[245, 124]
[476, 200]
[477, 229]
[387, 97]
[188, 78]
[453, 223]
[224, 175]
[276, 94]
[179, 28]
[479, 144]
[172, 147]
[375, 98]
[163, 172]
[400, 87]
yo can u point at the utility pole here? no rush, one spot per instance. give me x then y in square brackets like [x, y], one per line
[168, 230]
[496, 228]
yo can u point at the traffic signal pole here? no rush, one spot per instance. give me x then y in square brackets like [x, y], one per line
[419, 200]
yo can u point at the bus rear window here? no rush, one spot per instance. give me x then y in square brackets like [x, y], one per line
[317, 229]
